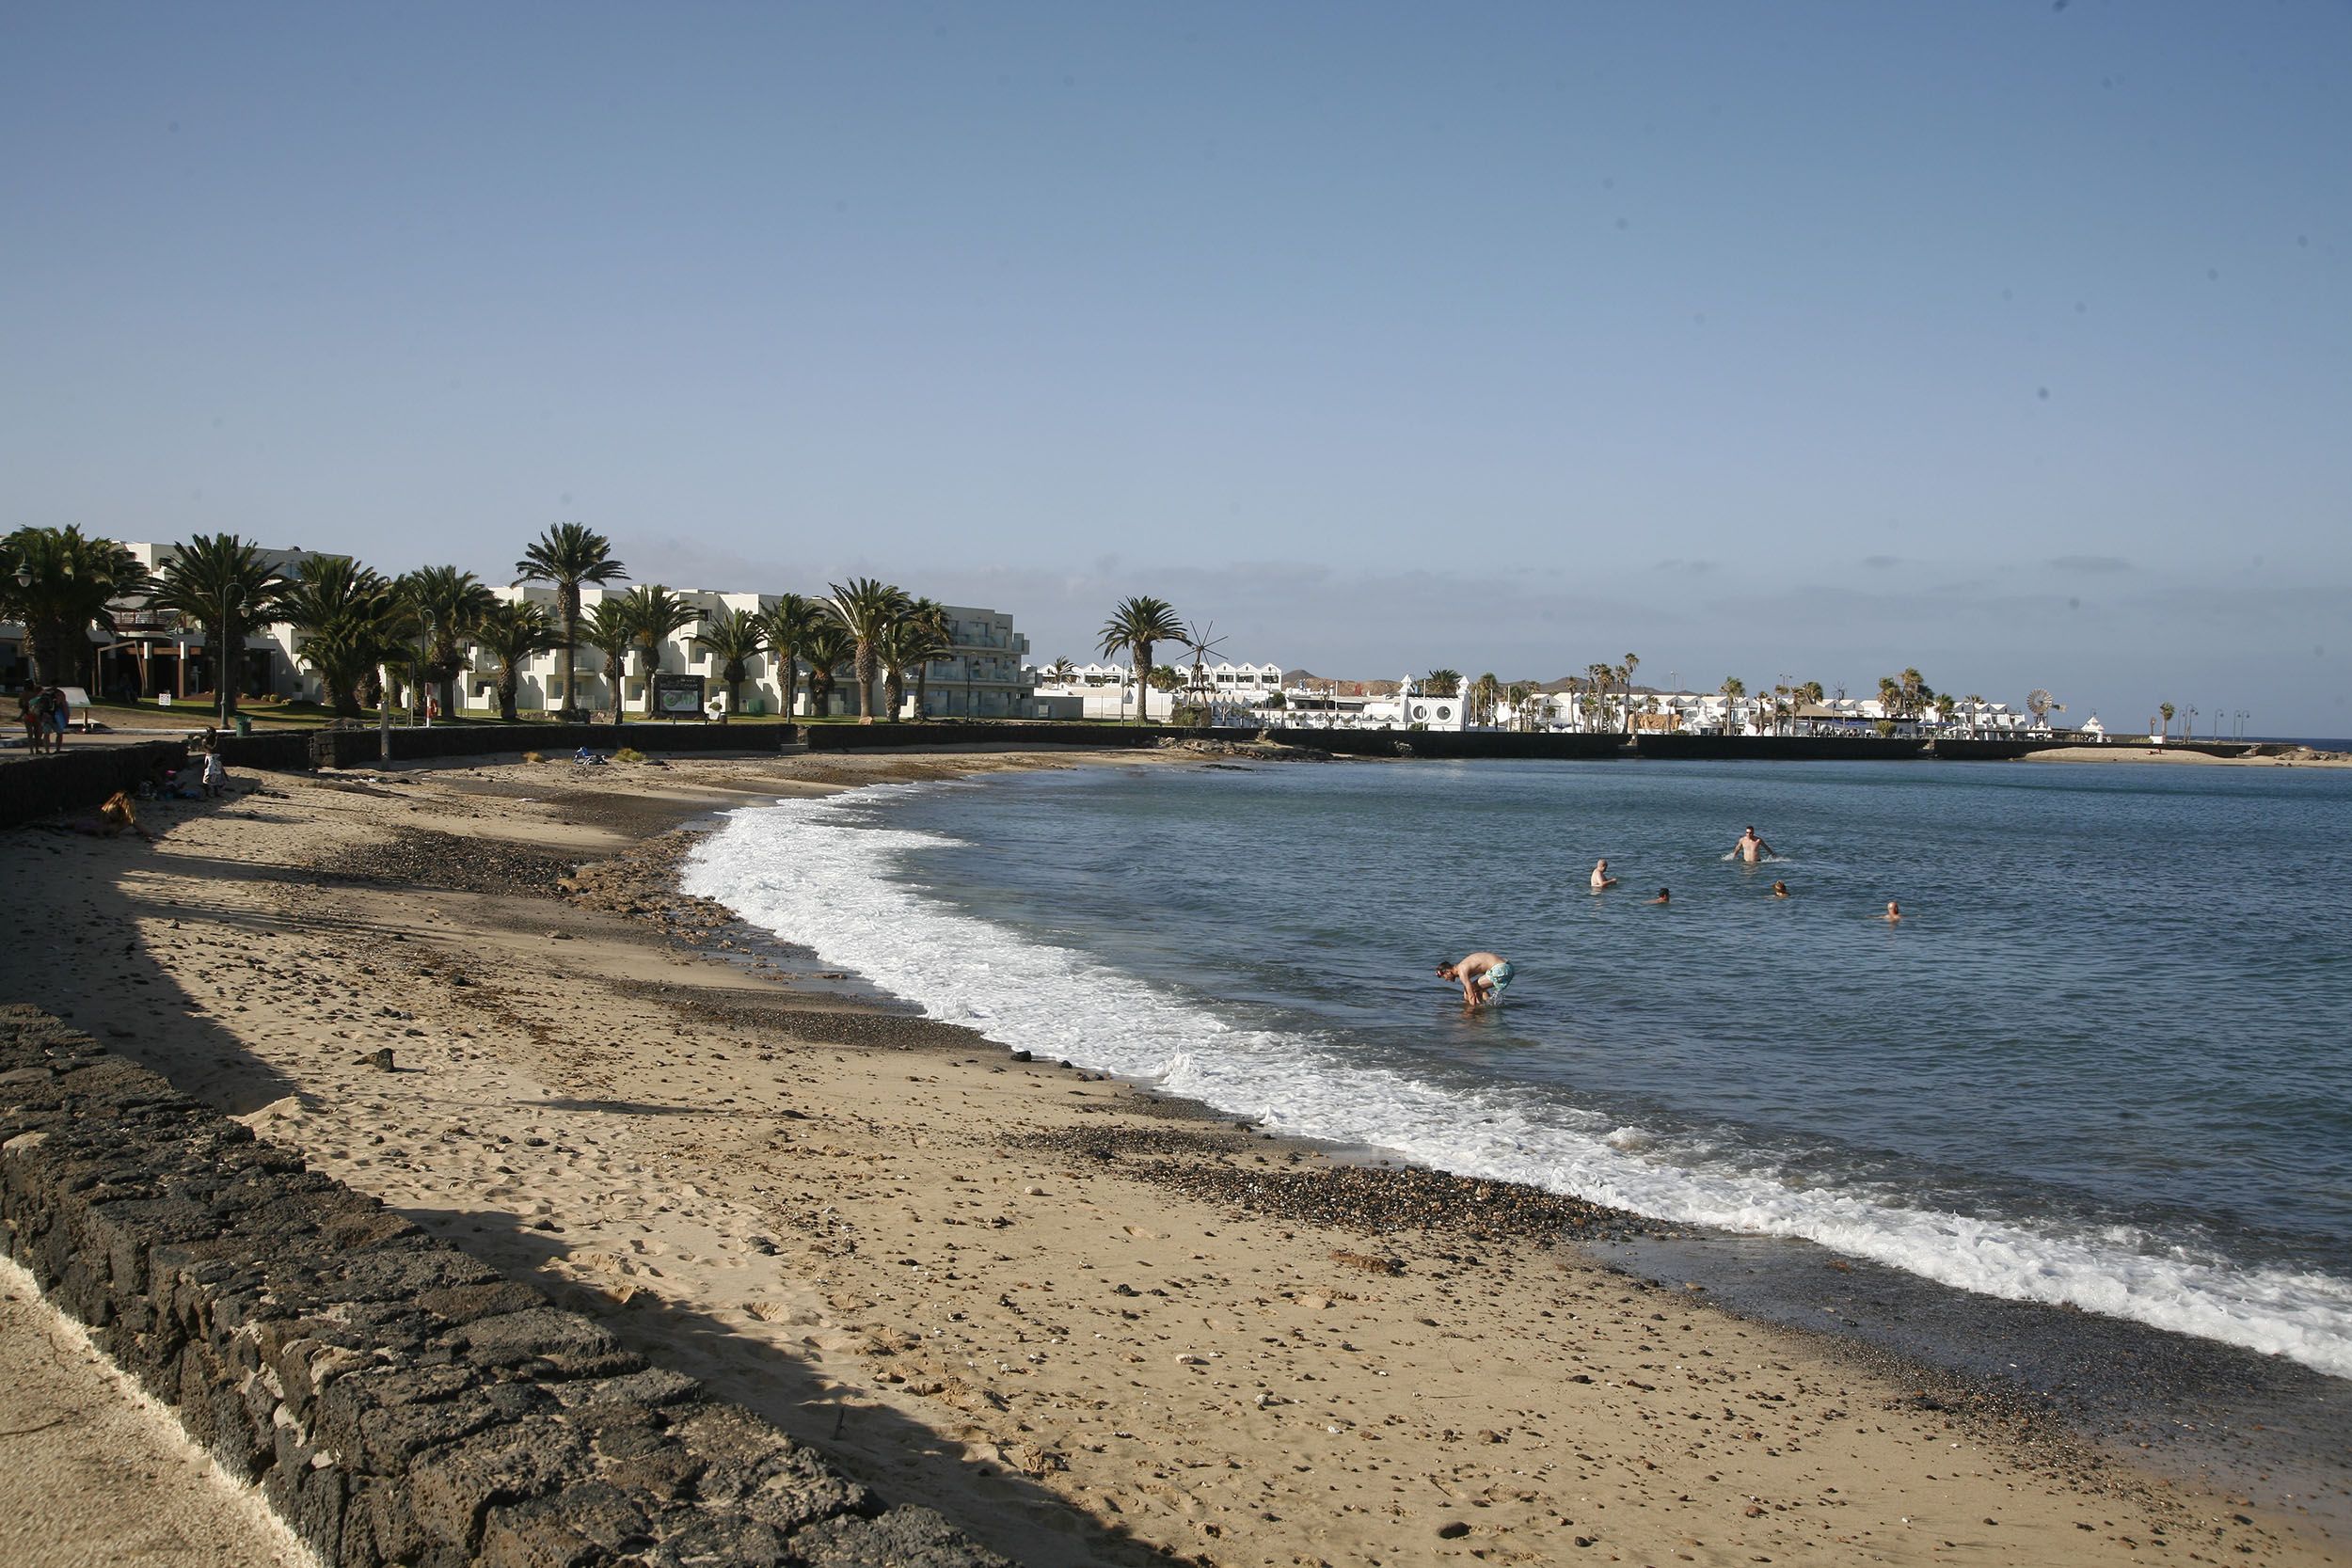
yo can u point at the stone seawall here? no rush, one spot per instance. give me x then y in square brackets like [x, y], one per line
[398, 1402]
[80, 778]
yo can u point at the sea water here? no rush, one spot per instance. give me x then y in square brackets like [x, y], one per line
[2105, 1060]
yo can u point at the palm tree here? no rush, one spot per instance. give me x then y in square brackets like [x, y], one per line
[1732, 691]
[788, 623]
[827, 650]
[225, 587]
[1809, 692]
[1442, 683]
[612, 632]
[655, 615]
[70, 579]
[941, 636]
[1890, 696]
[734, 639]
[513, 632]
[1135, 626]
[449, 605]
[1975, 704]
[1624, 679]
[909, 643]
[567, 555]
[348, 620]
[2168, 710]
[1517, 694]
[865, 608]
[1483, 692]
[1061, 672]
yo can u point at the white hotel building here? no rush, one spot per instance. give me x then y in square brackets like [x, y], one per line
[979, 677]
[149, 655]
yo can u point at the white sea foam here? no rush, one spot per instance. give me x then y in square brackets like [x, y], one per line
[791, 869]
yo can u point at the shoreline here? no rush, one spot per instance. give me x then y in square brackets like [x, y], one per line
[826, 1207]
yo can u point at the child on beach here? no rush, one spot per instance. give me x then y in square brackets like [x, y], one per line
[215, 776]
[32, 711]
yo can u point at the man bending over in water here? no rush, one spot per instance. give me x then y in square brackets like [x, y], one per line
[1484, 977]
[1602, 878]
[1752, 849]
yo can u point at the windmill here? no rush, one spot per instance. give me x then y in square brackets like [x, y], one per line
[1200, 641]
[2042, 704]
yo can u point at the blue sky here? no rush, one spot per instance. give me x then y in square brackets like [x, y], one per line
[2014, 342]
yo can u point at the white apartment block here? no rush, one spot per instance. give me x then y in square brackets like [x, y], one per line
[1108, 690]
[979, 677]
[149, 656]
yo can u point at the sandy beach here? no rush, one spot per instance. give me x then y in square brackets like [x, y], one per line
[1088, 1325]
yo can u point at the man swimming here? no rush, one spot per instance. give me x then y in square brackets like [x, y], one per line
[1484, 977]
[1780, 889]
[1894, 911]
[1666, 895]
[1602, 878]
[1752, 849]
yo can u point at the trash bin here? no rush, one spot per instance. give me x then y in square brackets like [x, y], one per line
[244, 725]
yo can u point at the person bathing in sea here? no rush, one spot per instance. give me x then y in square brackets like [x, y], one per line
[1894, 911]
[1602, 878]
[1780, 889]
[1483, 976]
[1752, 849]
[1665, 895]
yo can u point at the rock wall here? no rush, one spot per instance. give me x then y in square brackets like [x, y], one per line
[80, 778]
[398, 1402]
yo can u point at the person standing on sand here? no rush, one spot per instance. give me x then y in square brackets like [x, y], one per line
[1752, 849]
[1484, 977]
[1602, 878]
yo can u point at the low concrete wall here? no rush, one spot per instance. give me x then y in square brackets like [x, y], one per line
[398, 1402]
[291, 752]
[993, 733]
[79, 779]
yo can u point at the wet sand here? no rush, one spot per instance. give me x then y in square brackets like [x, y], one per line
[2176, 756]
[1089, 1325]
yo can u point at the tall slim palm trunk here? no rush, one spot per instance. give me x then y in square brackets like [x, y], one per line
[866, 665]
[567, 605]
